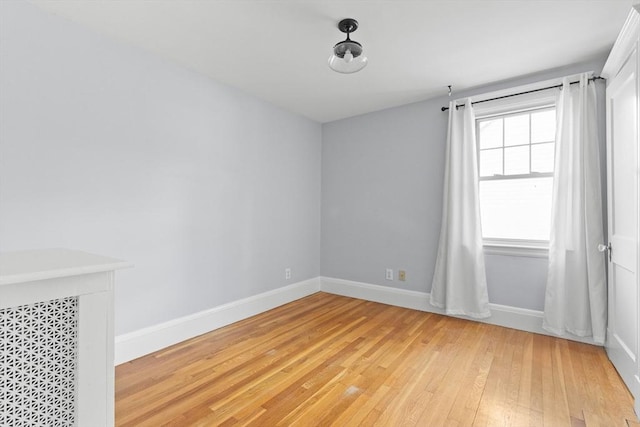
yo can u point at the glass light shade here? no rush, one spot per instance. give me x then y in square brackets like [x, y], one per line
[347, 57]
[341, 66]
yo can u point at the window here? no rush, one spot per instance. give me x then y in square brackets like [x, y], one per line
[516, 160]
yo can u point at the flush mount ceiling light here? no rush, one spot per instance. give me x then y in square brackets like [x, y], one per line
[347, 55]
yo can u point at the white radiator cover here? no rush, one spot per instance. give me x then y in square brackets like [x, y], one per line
[56, 338]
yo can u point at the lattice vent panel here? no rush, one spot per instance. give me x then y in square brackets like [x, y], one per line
[38, 364]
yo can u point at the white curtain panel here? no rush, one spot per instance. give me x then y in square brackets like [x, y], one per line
[459, 281]
[576, 293]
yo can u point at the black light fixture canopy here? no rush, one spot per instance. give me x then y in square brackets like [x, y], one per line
[348, 25]
[347, 55]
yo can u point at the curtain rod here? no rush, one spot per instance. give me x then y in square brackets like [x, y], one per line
[523, 93]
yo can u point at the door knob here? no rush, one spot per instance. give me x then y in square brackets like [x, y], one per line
[605, 248]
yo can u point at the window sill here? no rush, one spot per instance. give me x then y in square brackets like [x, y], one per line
[523, 250]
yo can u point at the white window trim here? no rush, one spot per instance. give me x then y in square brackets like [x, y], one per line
[516, 104]
[513, 247]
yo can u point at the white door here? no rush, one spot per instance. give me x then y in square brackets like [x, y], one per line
[622, 187]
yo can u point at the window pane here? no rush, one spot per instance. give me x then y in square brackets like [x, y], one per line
[542, 156]
[543, 126]
[516, 130]
[516, 160]
[490, 133]
[516, 208]
[491, 162]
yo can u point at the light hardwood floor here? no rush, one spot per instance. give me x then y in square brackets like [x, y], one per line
[332, 360]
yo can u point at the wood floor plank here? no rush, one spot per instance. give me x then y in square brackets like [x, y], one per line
[333, 360]
[471, 384]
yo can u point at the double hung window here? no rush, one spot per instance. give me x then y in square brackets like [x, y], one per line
[516, 161]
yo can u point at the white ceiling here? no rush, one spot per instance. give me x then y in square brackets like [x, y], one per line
[278, 50]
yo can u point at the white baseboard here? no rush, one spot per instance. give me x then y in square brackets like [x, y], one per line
[144, 341]
[501, 315]
[376, 293]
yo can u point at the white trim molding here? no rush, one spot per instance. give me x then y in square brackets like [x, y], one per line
[624, 45]
[144, 341]
[501, 315]
[513, 250]
[376, 293]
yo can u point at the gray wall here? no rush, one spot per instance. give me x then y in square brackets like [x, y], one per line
[210, 192]
[105, 148]
[382, 178]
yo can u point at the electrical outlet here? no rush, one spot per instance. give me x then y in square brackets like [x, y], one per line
[287, 273]
[389, 274]
[402, 275]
